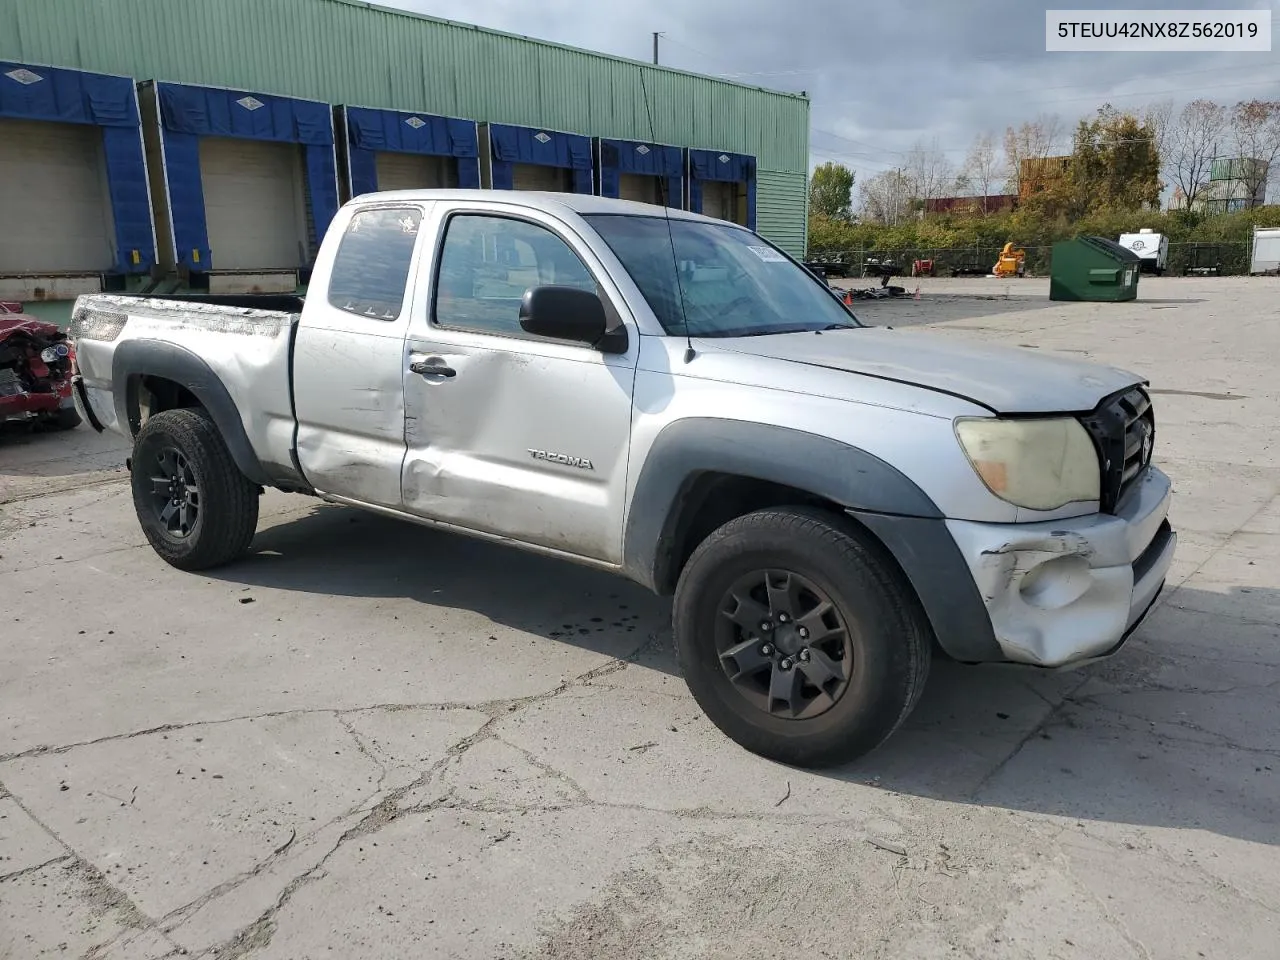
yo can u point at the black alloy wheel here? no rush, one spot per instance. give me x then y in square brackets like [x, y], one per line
[175, 494]
[784, 645]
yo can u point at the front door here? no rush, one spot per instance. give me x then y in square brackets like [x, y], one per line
[508, 433]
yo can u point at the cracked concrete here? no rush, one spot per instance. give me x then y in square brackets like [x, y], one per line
[370, 740]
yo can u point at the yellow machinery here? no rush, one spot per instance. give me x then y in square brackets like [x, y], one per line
[1012, 262]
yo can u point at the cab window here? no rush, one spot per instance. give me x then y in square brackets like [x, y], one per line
[486, 265]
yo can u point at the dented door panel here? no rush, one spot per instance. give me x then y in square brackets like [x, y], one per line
[528, 438]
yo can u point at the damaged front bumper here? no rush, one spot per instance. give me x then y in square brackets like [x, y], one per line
[1069, 591]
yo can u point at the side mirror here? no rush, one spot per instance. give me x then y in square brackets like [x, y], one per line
[569, 313]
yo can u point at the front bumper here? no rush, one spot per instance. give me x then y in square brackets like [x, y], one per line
[1068, 591]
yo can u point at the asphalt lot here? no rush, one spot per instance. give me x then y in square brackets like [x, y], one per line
[370, 740]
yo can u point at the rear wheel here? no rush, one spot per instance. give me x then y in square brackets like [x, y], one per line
[797, 638]
[195, 506]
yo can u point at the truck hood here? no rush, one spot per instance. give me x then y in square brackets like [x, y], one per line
[1005, 380]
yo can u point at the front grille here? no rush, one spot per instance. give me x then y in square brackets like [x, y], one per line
[1123, 428]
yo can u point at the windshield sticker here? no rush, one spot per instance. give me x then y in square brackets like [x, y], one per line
[768, 254]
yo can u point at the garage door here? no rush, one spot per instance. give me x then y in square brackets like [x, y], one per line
[720, 199]
[254, 203]
[55, 212]
[639, 187]
[409, 171]
[528, 176]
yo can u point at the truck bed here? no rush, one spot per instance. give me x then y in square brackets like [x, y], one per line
[232, 353]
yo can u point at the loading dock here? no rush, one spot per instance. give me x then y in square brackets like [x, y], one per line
[526, 158]
[392, 150]
[645, 172]
[74, 203]
[723, 185]
[248, 183]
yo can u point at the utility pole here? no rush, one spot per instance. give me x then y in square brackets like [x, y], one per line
[656, 35]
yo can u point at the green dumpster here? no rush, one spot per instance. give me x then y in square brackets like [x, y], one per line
[1093, 268]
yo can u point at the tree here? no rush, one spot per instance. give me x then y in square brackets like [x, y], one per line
[831, 191]
[1033, 141]
[1255, 130]
[929, 173]
[1115, 165]
[1159, 118]
[981, 169]
[886, 197]
[1191, 143]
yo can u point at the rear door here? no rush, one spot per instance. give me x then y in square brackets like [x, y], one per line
[349, 355]
[515, 435]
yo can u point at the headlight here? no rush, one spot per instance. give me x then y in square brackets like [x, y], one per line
[1037, 464]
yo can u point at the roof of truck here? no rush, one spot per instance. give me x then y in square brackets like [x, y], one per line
[539, 200]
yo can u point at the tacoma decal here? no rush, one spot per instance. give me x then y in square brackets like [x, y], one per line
[567, 460]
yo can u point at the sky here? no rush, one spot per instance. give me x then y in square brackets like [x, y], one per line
[882, 76]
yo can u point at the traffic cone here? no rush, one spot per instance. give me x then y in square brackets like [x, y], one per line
[848, 298]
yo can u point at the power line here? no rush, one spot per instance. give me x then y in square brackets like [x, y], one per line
[769, 73]
[1161, 76]
[1271, 81]
[866, 158]
[903, 153]
[747, 73]
[1104, 98]
[829, 155]
[701, 53]
[886, 151]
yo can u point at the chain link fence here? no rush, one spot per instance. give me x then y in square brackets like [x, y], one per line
[1228, 258]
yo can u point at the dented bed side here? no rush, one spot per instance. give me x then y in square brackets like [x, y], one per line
[136, 354]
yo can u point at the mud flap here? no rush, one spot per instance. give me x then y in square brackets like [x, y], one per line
[83, 407]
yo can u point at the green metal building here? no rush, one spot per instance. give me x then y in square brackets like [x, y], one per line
[341, 53]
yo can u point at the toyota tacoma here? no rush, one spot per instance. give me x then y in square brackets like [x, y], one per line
[674, 399]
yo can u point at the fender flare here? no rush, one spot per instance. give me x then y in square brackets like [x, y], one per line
[156, 358]
[895, 511]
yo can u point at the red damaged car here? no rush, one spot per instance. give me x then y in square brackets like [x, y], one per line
[36, 367]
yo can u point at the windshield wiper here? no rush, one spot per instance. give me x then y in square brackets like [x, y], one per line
[772, 331]
[735, 332]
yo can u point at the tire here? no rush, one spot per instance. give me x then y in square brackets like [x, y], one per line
[67, 418]
[185, 447]
[888, 643]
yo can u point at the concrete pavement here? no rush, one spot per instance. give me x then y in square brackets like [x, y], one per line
[370, 740]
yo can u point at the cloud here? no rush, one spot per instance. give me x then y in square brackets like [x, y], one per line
[883, 75]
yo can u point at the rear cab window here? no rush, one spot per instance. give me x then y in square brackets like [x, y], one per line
[371, 269]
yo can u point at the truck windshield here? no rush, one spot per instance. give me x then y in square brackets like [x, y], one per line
[728, 282]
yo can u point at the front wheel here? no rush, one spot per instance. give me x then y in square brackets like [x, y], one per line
[195, 506]
[798, 639]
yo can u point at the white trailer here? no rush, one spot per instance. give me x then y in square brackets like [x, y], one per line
[1266, 250]
[1152, 249]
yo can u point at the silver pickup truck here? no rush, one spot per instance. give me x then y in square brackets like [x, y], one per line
[674, 399]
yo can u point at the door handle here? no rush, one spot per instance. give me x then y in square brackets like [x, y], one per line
[432, 368]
